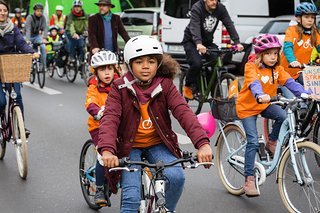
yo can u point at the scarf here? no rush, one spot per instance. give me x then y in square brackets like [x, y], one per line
[8, 27]
[107, 16]
[77, 14]
[144, 95]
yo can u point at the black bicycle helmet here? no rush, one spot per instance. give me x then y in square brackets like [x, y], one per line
[37, 6]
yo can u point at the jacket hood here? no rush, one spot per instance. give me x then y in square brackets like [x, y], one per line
[169, 67]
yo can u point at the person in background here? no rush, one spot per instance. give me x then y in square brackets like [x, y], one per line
[58, 19]
[77, 26]
[37, 31]
[104, 28]
[53, 37]
[18, 20]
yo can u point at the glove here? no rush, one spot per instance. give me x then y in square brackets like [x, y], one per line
[100, 113]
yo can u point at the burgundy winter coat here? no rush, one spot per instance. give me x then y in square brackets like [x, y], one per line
[120, 121]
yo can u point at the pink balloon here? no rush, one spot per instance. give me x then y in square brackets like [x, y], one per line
[207, 122]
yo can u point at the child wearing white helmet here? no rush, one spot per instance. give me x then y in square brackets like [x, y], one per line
[136, 122]
[104, 64]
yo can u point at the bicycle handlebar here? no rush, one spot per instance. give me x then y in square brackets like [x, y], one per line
[187, 157]
[232, 49]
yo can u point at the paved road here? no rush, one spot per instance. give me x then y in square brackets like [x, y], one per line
[57, 120]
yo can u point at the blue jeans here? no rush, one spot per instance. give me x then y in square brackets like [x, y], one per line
[273, 112]
[38, 39]
[3, 100]
[131, 181]
[74, 45]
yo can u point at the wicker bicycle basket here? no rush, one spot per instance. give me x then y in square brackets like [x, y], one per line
[224, 109]
[15, 68]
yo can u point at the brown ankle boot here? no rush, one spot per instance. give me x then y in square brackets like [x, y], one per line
[271, 146]
[250, 187]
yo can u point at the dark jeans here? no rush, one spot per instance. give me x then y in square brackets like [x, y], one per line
[194, 59]
[273, 112]
[3, 100]
[74, 45]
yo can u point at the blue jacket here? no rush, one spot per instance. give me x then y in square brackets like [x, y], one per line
[13, 42]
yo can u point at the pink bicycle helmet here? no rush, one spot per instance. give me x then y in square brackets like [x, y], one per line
[264, 42]
[207, 122]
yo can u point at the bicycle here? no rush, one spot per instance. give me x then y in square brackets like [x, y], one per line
[13, 130]
[52, 64]
[152, 181]
[298, 176]
[219, 80]
[36, 69]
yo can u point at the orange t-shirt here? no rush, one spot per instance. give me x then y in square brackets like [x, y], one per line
[146, 135]
[302, 49]
[98, 98]
[246, 103]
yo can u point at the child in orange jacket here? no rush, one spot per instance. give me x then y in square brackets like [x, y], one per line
[261, 80]
[104, 64]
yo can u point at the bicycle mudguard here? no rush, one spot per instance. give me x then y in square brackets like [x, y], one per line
[221, 129]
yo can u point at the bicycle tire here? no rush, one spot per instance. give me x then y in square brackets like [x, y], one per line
[85, 73]
[51, 70]
[41, 77]
[300, 204]
[61, 71]
[88, 187]
[225, 81]
[20, 145]
[71, 72]
[316, 137]
[224, 167]
[195, 104]
[35, 68]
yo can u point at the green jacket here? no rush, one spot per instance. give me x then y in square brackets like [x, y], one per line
[77, 24]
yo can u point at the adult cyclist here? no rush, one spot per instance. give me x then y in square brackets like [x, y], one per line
[37, 30]
[198, 36]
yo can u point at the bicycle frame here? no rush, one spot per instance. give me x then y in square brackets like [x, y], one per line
[287, 129]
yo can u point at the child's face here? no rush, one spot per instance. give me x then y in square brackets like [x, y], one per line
[270, 57]
[106, 73]
[145, 67]
[307, 20]
[53, 32]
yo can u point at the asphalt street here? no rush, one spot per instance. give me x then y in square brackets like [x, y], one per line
[57, 119]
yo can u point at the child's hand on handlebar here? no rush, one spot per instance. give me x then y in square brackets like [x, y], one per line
[240, 47]
[295, 64]
[35, 55]
[205, 155]
[110, 160]
[264, 99]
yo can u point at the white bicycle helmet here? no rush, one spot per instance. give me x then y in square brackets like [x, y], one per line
[140, 46]
[102, 58]
[77, 3]
[59, 7]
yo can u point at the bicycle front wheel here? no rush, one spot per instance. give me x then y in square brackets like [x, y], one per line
[3, 145]
[87, 173]
[34, 70]
[51, 70]
[41, 77]
[231, 175]
[316, 137]
[71, 72]
[305, 196]
[20, 141]
[196, 103]
[85, 72]
[225, 81]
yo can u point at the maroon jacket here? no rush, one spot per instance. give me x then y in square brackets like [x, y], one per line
[96, 31]
[121, 118]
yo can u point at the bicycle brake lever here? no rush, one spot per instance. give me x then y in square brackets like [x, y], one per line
[123, 169]
[196, 165]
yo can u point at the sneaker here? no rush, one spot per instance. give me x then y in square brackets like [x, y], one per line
[250, 187]
[99, 197]
[28, 132]
[271, 146]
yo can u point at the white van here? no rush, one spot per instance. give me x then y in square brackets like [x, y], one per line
[249, 17]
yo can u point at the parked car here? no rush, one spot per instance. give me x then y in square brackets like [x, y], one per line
[140, 21]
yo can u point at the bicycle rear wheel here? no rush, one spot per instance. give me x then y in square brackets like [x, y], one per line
[231, 175]
[316, 137]
[20, 141]
[196, 103]
[41, 77]
[87, 174]
[225, 82]
[303, 197]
